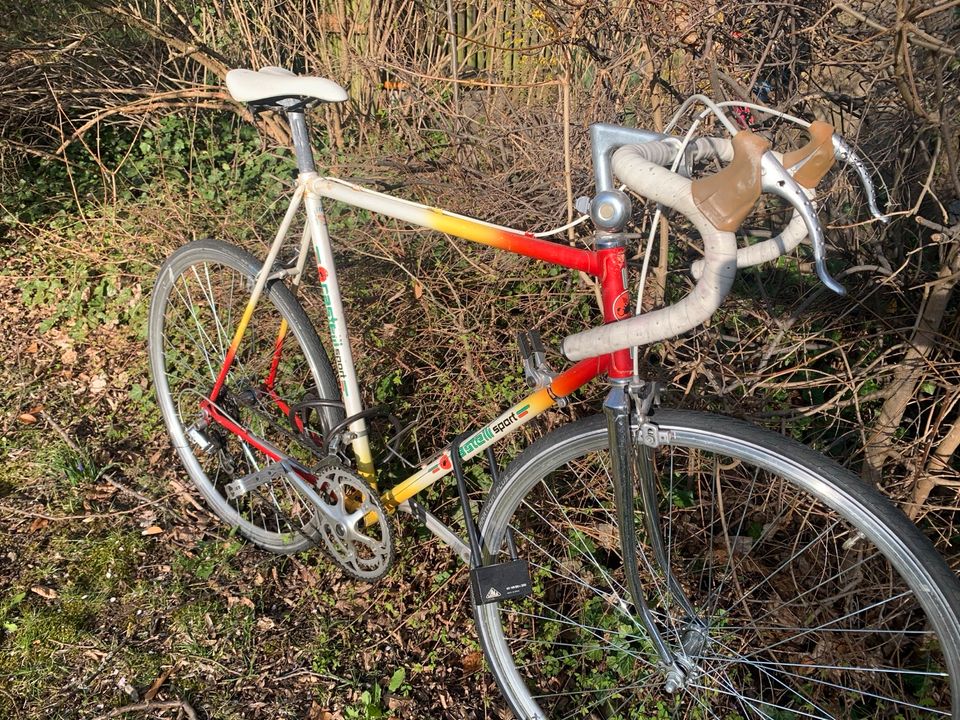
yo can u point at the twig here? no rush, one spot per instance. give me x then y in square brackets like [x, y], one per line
[916, 35]
[955, 230]
[149, 103]
[61, 432]
[76, 448]
[129, 491]
[323, 676]
[88, 516]
[183, 705]
[463, 81]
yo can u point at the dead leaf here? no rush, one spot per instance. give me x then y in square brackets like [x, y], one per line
[33, 348]
[316, 712]
[59, 338]
[45, 593]
[155, 458]
[38, 524]
[308, 576]
[472, 662]
[234, 600]
[152, 530]
[150, 694]
[417, 289]
[68, 356]
[27, 418]
[98, 383]
[184, 495]
[265, 623]
[129, 689]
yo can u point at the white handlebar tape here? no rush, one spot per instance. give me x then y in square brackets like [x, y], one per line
[661, 152]
[719, 266]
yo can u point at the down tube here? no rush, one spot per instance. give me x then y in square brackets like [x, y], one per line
[513, 419]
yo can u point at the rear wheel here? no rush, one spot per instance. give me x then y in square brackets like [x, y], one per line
[812, 596]
[201, 293]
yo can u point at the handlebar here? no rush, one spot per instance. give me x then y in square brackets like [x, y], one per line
[716, 205]
[720, 202]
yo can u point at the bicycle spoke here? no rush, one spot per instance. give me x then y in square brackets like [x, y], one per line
[753, 702]
[768, 668]
[793, 619]
[595, 631]
[581, 551]
[578, 551]
[202, 291]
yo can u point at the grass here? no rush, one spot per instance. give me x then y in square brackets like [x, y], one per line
[113, 575]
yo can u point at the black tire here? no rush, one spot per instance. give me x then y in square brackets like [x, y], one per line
[200, 295]
[819, 598]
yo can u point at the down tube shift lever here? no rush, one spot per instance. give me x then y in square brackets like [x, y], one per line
[776, 180]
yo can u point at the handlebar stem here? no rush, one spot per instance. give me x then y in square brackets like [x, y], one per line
[605, 139]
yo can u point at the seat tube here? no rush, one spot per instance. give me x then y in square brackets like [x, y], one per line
[337, 323]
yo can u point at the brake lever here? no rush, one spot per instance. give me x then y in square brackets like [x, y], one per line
[775, 179]
[846, 154]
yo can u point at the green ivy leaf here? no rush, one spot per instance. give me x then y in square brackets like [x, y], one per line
[397, 680]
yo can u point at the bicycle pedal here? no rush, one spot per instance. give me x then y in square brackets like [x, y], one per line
[535, 368]
[503, 581]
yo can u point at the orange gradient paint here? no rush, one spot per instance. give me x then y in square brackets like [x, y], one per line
[517, 416]
[232, 350]
[515, 242]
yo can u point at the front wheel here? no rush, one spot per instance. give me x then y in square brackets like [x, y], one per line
[812, 596]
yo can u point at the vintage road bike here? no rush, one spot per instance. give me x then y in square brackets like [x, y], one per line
[643, 562]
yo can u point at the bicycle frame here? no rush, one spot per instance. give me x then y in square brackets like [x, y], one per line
[606, 264]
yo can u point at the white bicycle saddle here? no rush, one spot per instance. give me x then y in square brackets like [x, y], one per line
[273, 83]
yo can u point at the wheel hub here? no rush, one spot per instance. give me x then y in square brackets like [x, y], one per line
[686, 667]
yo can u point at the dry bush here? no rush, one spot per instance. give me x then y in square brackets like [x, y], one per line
[484, 110]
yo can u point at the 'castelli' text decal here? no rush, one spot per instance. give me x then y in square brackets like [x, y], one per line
[476, 441]
[334, 338]
[489, 433]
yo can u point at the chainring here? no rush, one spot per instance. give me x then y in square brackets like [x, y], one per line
[352, 526]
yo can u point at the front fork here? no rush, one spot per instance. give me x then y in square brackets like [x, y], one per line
[632, 439]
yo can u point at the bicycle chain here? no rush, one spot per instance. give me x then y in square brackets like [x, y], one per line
[337, 542]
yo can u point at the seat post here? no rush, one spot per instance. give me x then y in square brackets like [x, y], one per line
[301, 141]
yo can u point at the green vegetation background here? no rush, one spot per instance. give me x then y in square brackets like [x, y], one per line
[119, 144]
